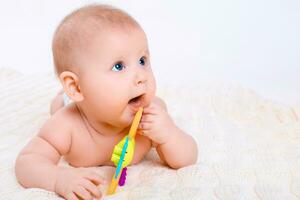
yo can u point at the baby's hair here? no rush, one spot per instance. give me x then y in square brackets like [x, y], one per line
[78, 28]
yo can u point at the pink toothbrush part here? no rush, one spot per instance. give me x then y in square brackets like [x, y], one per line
[123, 177]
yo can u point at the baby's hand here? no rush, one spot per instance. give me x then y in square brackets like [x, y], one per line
[156, 124]
[78, 183]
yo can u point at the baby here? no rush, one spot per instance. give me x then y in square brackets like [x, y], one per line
[102, 60]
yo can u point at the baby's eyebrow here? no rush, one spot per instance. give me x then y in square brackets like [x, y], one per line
[146, 52]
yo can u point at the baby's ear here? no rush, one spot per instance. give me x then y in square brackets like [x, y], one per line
[70, 82]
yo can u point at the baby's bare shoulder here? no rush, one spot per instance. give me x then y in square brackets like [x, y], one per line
[58, 129]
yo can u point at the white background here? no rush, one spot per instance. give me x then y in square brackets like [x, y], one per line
[255, 43]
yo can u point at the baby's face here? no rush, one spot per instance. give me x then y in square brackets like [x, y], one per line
[116, 68]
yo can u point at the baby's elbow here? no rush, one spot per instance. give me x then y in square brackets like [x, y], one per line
[193, 152]
[190, 158]
[177, 166]
[193, 160]
[19, 170]
[18, 165]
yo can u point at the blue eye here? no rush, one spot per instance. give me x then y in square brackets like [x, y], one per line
[142, 61]
[118, 67]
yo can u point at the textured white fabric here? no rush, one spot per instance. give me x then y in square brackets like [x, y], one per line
[249, 147]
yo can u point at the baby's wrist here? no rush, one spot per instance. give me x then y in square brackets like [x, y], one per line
[172, 137]
[57, 184]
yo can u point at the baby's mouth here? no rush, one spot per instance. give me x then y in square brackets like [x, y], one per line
[136, 101]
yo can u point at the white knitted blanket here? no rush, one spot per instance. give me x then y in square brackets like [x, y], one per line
[249, 147]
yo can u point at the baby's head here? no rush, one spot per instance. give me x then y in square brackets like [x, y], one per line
[102, 59]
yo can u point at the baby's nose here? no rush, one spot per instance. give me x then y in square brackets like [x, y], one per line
[141, 82]
[141, 77]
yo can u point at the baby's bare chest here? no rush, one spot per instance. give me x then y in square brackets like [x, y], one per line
[89, 150]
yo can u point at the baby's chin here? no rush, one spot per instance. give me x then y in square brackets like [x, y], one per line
[125, 120]
[128, 116]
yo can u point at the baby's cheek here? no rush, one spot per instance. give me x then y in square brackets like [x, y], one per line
[151, 86]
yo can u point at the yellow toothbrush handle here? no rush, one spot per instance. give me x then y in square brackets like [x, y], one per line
[131, 135]
[113, 185]
[135, 123]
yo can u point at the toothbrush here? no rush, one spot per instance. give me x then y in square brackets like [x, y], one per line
[123, 154]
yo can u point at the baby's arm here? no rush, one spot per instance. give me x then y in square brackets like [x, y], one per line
[175, 147]
[179, 151]
[36, 165]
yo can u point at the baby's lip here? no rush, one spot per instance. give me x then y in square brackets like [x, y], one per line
[140, 102]
[140, 96]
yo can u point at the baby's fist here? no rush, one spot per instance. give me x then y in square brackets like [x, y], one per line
[156, 123]
[78, 183]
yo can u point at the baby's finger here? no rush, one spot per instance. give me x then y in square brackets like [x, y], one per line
[151, 104]
[91, 188]
[144, 126]
[83, 193]
[146, 118]
[140, 132]
[149, 110]
[95, 178]
[145, 133]
[71, 196]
